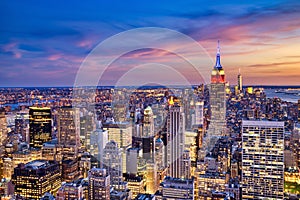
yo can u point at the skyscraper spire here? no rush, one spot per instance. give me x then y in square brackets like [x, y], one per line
[218, 57]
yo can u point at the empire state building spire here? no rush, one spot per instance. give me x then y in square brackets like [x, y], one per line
[218, 74]
[218, 57]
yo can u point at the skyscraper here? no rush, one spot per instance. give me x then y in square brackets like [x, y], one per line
[262, 159]
[132, 160]
[99, 184]
[148, 140]
[96, 144]
[121, 133]
[199, 107]
[217, 99]
[240, 81]
[68, 126]
[298, 110]
[39, 126]
[175, 140]
[112, 162]
[3, 130]
[22, 126]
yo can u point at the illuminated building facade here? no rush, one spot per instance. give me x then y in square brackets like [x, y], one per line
[39, 126]
[3, 130]
[87, 126]
[299, 110]
[209, 182]
[68, 127]
[186, 164]
[262, 159]
[70, 170]
[112, 162]
[49, 150]
[240, 82]
[98, 140]
[199, 108]
[121, 133]
[151, 177]
[175, 188]
[136, 184]
[22, 126]
[34, 179]
[148, 140]
[9, 163]
[175, 140]
[99, 184]
[217, 99]
[160, 154]
[132, 160]
[84, 164]
[70, 191]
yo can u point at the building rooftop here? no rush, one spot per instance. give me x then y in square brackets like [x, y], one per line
[144, 197]
[262, 123]
[37, 164]
[177, 182]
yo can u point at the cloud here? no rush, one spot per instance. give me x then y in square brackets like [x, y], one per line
[273, 64]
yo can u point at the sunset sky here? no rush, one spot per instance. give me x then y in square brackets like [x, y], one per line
[43, 43]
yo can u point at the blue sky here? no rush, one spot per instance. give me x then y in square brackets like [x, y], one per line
[42, 43]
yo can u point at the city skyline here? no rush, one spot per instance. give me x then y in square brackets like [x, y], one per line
[43, 43]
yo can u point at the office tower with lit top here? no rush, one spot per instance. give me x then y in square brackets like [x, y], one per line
[39, 126]
[148, 140]
[217, 99]
[175, 140]
[34, 179]
[99, 184]
[262, 160]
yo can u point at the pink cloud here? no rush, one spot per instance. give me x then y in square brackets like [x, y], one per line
[54, 57]
[17, 54]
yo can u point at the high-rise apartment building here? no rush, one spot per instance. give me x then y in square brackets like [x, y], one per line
[99, 184]
[217, 100]
[262, 160]
[39, 126]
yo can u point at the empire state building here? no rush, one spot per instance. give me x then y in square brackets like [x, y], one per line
[217, 99]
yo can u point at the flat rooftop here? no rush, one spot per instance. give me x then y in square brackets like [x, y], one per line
[262, 123]
[37, 164]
